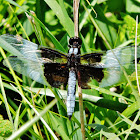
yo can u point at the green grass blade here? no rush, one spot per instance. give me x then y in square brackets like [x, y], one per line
[16, 122]
[25, 127]
[6, 103]
[60, 11]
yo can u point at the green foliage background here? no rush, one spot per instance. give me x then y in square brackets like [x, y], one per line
[107, 114]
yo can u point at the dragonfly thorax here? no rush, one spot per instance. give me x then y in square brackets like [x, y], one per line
[73, 57]
[73, 51]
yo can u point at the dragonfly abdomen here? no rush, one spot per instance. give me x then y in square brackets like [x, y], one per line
[71, 92]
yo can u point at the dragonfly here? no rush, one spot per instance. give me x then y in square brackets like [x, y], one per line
[40, 63]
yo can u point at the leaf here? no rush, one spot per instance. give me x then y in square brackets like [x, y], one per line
[61, 13]
[131, 27]
[133, 6]
[5, 127]
[57, 126]
[115, 6]
[103, 130]
[104, 28]
[99, 127]
[28, 28]
[110, 135]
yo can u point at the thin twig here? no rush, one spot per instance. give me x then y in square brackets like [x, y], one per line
[136, 69]
[81, 106]
[76, 31]
[76, 16]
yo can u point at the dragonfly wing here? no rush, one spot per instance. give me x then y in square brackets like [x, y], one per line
[112, 62]
[91, 58]
[56, 74]
[89, 71]
[34, 61]
[90, 68]
[26, 67]
[122, 55]
[20, 47]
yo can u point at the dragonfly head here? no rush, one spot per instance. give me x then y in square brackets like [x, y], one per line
[75, 42]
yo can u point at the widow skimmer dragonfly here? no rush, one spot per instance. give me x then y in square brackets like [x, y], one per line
[58, 68]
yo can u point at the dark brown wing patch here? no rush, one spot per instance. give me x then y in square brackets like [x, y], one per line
[56, 74]
[89, 71]
[51, 54]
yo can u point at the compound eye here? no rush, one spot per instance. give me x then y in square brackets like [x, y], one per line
[75, 39]
[71, 40]
[79, 41]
